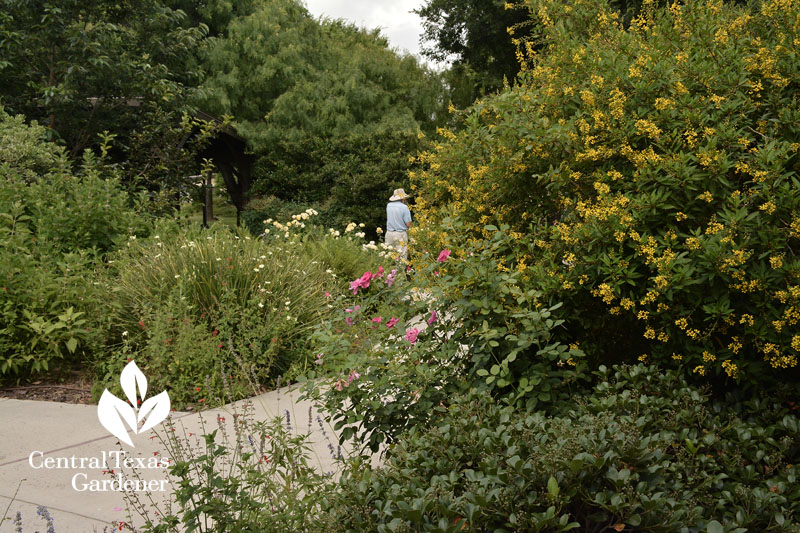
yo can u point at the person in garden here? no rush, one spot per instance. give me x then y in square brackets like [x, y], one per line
[398, 220]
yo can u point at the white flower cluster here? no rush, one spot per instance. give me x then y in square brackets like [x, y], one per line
[388, 251]
[296, 222]
[305, 215]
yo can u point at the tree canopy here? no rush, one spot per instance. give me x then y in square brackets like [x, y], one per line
[305, 92]
[476, 35]
[78, 66]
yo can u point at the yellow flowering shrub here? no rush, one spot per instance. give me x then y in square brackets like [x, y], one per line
[653, 171]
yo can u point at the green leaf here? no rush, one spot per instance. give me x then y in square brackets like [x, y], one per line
[72, 344]
[714, 527]
[552, 487]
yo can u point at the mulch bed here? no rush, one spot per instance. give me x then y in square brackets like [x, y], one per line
[74, 387]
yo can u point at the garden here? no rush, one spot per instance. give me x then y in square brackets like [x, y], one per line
[597, 328]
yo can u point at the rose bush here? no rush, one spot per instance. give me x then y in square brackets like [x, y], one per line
[416, 341]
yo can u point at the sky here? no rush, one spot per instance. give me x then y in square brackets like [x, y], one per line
[394, 17]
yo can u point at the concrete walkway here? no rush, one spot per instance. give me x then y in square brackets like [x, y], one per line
[39, 440]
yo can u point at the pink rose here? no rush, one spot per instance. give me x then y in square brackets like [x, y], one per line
[354, 285]
[433, 318]
[361, 283]
[411, 335]
[443, 255]
[377, 319]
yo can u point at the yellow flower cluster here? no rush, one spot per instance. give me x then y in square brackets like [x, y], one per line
[776, 359]
[605, 292]
[731, 369]
[581, 149]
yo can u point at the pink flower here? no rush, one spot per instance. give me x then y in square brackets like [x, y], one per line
[390, 277]
[349, 320]
[392, 322]
[327, 294]
[319, 359]
[354, 285]
[340, 384]
[353, 310]
[443, 255]
[433, 318]
[411, 335]
[377, 319]
[361, 283]
[353, 376]
[378, 274]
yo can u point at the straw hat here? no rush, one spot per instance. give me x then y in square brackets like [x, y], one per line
[399, 194]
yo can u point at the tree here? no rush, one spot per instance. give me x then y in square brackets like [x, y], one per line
[215, 14]
[304, 92]
[474, 35]
[82, 67]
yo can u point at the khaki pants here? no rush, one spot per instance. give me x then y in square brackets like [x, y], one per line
[399, 241]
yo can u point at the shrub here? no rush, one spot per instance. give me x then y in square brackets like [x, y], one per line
[199, 304]
[52, 311]
[654, 171]
[643, 451]
[53, 224]
[398, 349]
[67, 210]
[25, 151]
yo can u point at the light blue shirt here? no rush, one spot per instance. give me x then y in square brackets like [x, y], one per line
[397, 215]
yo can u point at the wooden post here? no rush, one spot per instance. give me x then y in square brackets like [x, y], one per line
[208, 203]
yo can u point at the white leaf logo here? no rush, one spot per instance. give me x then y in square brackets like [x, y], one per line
[115, 414]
